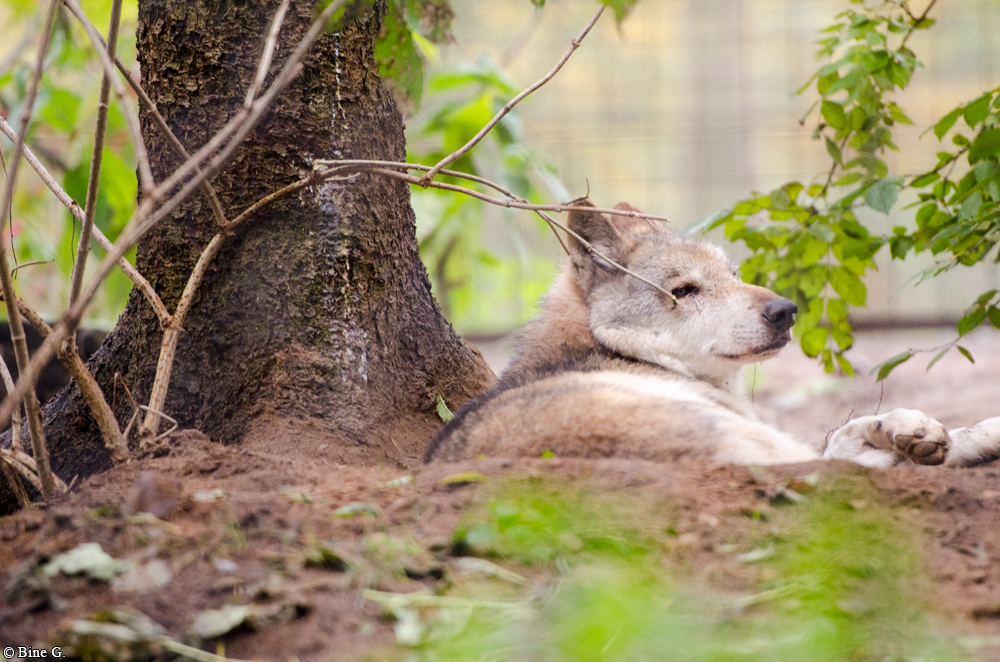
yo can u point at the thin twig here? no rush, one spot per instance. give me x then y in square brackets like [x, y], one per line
[135, 406]
[142, 220]
[10, 474]
[144, 286]
[265, 61]
[90, 204]
[916, 21]
[160, 414]
[33, 263]
[15, 424]
[505, 203]
[131, 118]
[114, 441]
[15, 461]
[362, 165]
[168, 346]
[18, 339]
[513, 102]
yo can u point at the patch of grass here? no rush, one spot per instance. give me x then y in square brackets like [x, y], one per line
[533, 521]
[844, 583]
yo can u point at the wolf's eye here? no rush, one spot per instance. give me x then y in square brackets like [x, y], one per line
[684, 290]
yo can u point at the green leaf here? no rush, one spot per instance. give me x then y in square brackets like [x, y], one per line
[971, 320]
[844, 364]
[813, 341]
[938, 357]
[780, 199]
[61, 111]
[834, 151]
[924, 180]
[882, 195]
[966, 353]
[848, 286]
[946, 122]
[898, 115]
[976, 111]
[849, 178]
[822, 231]
[834, 114]
[986, 145]
[398, 57]
[883, 369]
[827, 359]
[443, 412]
[994, 316]
[620, 7]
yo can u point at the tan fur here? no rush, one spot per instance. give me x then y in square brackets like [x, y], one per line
[613, 367]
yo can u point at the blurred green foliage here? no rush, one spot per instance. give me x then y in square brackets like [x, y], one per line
[479, 289]
[840, 578]
[61, 135]
[806, 239]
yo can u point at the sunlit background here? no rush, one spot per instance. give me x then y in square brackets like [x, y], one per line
[681, 110]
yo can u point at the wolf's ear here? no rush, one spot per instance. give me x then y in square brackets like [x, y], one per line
[600, 232]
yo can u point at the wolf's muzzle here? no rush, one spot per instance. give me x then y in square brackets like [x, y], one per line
[780, 314]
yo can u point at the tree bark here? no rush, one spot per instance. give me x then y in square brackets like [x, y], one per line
[316, 322]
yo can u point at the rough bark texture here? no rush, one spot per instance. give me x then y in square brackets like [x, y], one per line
[317, 319]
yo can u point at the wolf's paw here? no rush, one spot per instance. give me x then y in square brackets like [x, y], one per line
[917, 436]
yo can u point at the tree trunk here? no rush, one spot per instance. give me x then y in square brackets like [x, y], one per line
[316, 322]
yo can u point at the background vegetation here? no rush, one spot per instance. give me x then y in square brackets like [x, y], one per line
[815, 239]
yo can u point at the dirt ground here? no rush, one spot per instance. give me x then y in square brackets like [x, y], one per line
[259, 524]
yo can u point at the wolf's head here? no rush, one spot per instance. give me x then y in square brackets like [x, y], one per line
[712, 325]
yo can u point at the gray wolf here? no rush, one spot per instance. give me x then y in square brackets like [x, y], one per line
[614, 367]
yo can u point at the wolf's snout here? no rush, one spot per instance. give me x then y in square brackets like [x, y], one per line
[780, 313]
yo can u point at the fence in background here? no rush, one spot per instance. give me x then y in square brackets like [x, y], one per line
[688, 107]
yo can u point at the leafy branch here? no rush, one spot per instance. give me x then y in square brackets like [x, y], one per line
[806, 240]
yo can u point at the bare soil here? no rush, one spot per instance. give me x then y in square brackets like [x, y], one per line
[240, 524]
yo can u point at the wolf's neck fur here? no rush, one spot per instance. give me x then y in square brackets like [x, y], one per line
[561, 331]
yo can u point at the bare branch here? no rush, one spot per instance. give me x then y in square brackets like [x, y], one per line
[15, 459]
[10, 474]
[916, 20]
[31, 406]
[131, 118]
[168, 347]
[78, 212]
[106, 422]
[83, 248]
[507, 203]
[15, 424]
[265, 60]
[359, 165]
[513, 102]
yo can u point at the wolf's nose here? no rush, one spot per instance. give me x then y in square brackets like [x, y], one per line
[780, 313]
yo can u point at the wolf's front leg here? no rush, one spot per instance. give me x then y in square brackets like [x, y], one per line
[975, 445]
[900, 436]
